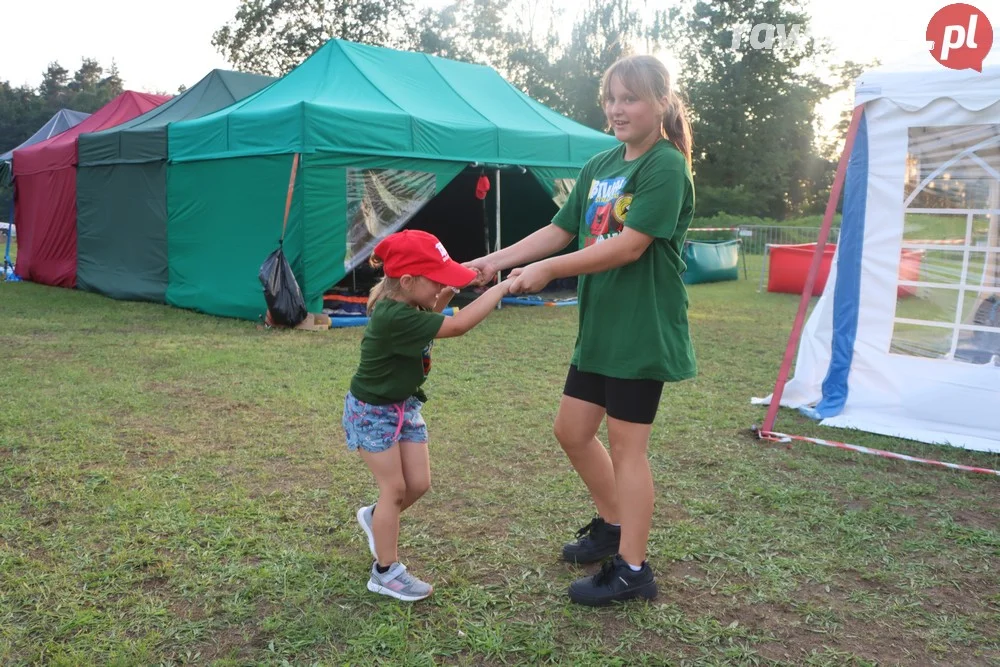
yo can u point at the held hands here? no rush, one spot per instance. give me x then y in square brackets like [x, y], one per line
[485, 268]
[529, 279]
[524, 280]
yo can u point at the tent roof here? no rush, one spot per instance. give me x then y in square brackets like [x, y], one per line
[918, 80]
[144, 138]
[63, 120]
[60, 151]
[354, 99]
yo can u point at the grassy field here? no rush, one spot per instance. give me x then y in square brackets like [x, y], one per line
[174, 489]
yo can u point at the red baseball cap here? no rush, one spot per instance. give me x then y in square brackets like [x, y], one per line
[418, 253]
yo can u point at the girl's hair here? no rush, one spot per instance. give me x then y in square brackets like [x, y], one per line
[649, 79]
[385, 288]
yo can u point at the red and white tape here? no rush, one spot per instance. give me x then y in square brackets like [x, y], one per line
[782, 437]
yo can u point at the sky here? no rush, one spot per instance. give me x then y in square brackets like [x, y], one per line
[175, 47]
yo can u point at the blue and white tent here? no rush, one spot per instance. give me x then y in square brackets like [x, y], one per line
[63, 120]
[905, 340]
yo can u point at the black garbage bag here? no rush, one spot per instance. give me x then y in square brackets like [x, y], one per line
[281, 291]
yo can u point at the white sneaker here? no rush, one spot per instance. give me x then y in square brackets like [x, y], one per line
[365, 519]
[398, 583]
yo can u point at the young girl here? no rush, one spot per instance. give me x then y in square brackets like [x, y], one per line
[631, 208]
[382, 409]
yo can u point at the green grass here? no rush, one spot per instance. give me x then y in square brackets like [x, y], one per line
[174, 489]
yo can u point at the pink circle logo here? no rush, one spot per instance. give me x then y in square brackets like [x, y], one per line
[962, 37]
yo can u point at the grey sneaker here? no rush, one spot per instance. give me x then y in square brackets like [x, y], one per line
[365, 519]
[398, 583]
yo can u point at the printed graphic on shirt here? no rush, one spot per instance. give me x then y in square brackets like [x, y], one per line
[427, 358]
[607, 209]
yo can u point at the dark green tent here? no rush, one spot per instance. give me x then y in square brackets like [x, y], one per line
[122, 191]
[381, 133]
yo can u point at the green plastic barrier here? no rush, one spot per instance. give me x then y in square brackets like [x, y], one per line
[711, 261]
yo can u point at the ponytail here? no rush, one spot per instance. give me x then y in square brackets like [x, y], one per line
[676, 126]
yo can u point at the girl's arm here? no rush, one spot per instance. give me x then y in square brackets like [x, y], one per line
[468, 317]
[610, 254]
[539, 244]
[444, 297]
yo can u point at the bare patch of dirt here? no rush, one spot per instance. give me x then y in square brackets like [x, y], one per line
[231, 642]
[186, 610]
[978, 519]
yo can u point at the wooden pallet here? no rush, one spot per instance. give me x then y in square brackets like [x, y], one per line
[315, 322]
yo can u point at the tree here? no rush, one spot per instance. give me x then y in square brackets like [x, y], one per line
[844, 76]
[87, 77]
[753, 109]
[499, 33]
[606, 31]
[273, 36]
[113, 84]
[54, 83]
[90, 89]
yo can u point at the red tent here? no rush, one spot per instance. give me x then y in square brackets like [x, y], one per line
[45, 193]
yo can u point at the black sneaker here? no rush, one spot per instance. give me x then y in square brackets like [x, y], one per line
[616, 582]
[594, 542]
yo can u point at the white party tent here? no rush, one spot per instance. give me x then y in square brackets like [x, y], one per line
[905, 339]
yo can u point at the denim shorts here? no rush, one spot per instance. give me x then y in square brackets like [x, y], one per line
[376, 428]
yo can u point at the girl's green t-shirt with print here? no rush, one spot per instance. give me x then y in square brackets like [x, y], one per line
[395, 353]
[633, 319]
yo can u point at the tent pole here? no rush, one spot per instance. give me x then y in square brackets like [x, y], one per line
[10, 231]
[496, 243]
[992, 265]
[824, 233]
[486, 223]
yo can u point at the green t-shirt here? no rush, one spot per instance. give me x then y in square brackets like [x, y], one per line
[633, 319]
[395, 353]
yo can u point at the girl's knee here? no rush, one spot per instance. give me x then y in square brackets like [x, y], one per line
[569, 436]
[562, 432]
[629, 453]
[419, 488]
[393, 493]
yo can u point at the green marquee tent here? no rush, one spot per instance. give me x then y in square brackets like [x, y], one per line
[380, 133]
[122, 191]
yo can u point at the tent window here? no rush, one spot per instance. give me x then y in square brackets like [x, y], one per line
[380, 202]
[561, 189]
[948, 292]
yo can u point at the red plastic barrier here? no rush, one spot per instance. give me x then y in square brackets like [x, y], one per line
[909, 269]
[788, 266]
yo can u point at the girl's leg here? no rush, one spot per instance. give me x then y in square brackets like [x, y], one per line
[576, 430]
[629, 446]
[416, 464]
[388, 471]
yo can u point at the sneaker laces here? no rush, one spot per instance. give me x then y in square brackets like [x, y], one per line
[404, 576]
[589, 528]
[605, 574]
